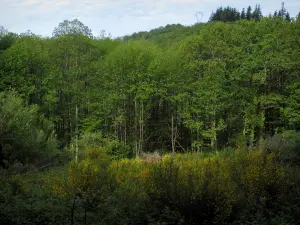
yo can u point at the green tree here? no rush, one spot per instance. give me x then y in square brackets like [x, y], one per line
[249, 13]
[243, 14]
[23, 66]
[257, 14]
[25, 135]
[74, 27]
[70, 71]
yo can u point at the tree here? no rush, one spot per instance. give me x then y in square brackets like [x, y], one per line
[288, 17]
[69, 79]
[3, 31]
[243, 14]
[103, 35]
[74, 27]
[227, 14]
[71, 54]
[25, 135]
[257, 14]
[6, 39]
[292, 107]
[249, 13]
[23, 66]
[282, 11]
[130, 92]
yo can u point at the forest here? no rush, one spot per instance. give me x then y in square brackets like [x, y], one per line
[178, 125]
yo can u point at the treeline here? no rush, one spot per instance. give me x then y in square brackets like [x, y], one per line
[211, 90]
[229, 14]
[230, 84]
[165, 36]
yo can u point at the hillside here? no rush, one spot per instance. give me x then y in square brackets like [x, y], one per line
[166, 36]
[179, 125]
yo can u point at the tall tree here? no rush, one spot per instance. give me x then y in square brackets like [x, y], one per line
[69, 77]
[243, 14]
[74, 27]
[282, 10]
[288, 17]
[257, 14]
[249, 13]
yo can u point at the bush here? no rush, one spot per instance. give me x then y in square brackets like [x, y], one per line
[111, 146]
[25, 135]
[286, 145]
[240, 187]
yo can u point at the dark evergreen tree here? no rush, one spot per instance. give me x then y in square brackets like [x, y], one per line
[257, 14]
[237, 15]
[275, 14]
[249, 13]
[282, 13]
[243, 14]
[288, 17]
[283, 10]
[216, 16]
[227, 14]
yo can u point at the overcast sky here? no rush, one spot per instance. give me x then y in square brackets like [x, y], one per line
[118, 17]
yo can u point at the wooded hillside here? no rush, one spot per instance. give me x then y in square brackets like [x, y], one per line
[84, 105]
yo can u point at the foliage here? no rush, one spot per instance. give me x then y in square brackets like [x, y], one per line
[210, 112]
[193, 188]
[26, 136]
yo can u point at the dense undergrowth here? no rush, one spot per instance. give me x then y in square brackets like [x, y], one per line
[253, 186]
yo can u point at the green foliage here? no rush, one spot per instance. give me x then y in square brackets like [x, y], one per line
[26, 136]
[286, 145]
[226, 14]
[166, 36]
[196, 89]
[74, 27]
[223, 187]
[109, 145]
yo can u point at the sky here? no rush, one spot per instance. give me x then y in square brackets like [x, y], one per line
[119, 17]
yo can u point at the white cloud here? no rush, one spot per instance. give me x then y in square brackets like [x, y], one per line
[31, 2]
[64, 2]
[115, 16]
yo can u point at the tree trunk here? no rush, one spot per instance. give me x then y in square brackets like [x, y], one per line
[72, 211]
[173, 133]
[76, 133]
[135, 128]
[214, 134]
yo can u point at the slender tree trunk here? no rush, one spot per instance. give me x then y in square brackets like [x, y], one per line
[135, 128]
[72, 211]
[125, 124]
[251, 135]
[141, 127]
[85, 217]
[214, 134]
[76, 133]
[173, 133]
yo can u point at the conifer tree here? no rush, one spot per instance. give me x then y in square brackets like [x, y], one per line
[249, 13]
[257, 14]
[283, 10]
[243, 14]
[288, 17]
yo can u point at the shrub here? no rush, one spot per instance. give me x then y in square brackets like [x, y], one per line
[286, 145]
[25, 135]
